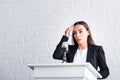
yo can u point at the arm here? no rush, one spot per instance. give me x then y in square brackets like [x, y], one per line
[57, 53]
[104, 70]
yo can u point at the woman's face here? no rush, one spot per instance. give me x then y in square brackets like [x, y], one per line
[80, 34]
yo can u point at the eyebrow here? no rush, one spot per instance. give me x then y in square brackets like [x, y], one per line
[79, 29]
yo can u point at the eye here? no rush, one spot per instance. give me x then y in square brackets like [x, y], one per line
[80, 31]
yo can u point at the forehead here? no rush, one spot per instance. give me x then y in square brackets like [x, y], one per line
[78, 27]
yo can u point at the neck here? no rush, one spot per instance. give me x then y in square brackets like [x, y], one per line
[82, 46]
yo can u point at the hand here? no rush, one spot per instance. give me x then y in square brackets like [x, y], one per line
[67, 31]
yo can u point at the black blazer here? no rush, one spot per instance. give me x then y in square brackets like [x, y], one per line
[95, 55]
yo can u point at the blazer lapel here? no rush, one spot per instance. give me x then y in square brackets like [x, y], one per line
[88, 54]
[72, 53]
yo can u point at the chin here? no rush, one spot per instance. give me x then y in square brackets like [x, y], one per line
[79, 43]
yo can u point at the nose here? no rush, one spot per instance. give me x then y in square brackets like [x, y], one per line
[77, 34]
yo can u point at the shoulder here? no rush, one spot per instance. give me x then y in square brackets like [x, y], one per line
[95, 47]
[98, 49]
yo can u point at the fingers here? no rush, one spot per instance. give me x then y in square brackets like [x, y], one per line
[67, 31]
[71, 27]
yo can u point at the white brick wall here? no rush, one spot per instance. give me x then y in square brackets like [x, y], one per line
[31, 29]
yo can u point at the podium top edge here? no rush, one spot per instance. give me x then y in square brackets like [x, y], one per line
[57, 64]
[32, 66]
[87, 64]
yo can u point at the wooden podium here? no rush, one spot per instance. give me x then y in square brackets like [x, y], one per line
[64, 71]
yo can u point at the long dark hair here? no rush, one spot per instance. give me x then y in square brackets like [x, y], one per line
[89, 39]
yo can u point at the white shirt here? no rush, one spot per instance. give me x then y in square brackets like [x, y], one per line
[80, 56]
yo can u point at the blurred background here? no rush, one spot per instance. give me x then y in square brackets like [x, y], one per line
[31, 29]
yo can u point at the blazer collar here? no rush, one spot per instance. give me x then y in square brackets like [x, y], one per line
[74, 51]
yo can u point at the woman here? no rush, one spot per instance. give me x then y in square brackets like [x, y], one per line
[84, 49]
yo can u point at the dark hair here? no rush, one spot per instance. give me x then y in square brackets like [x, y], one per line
[89, 39]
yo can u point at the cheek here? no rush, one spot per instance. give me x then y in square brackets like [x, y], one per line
[84, 36]
[75, 38]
